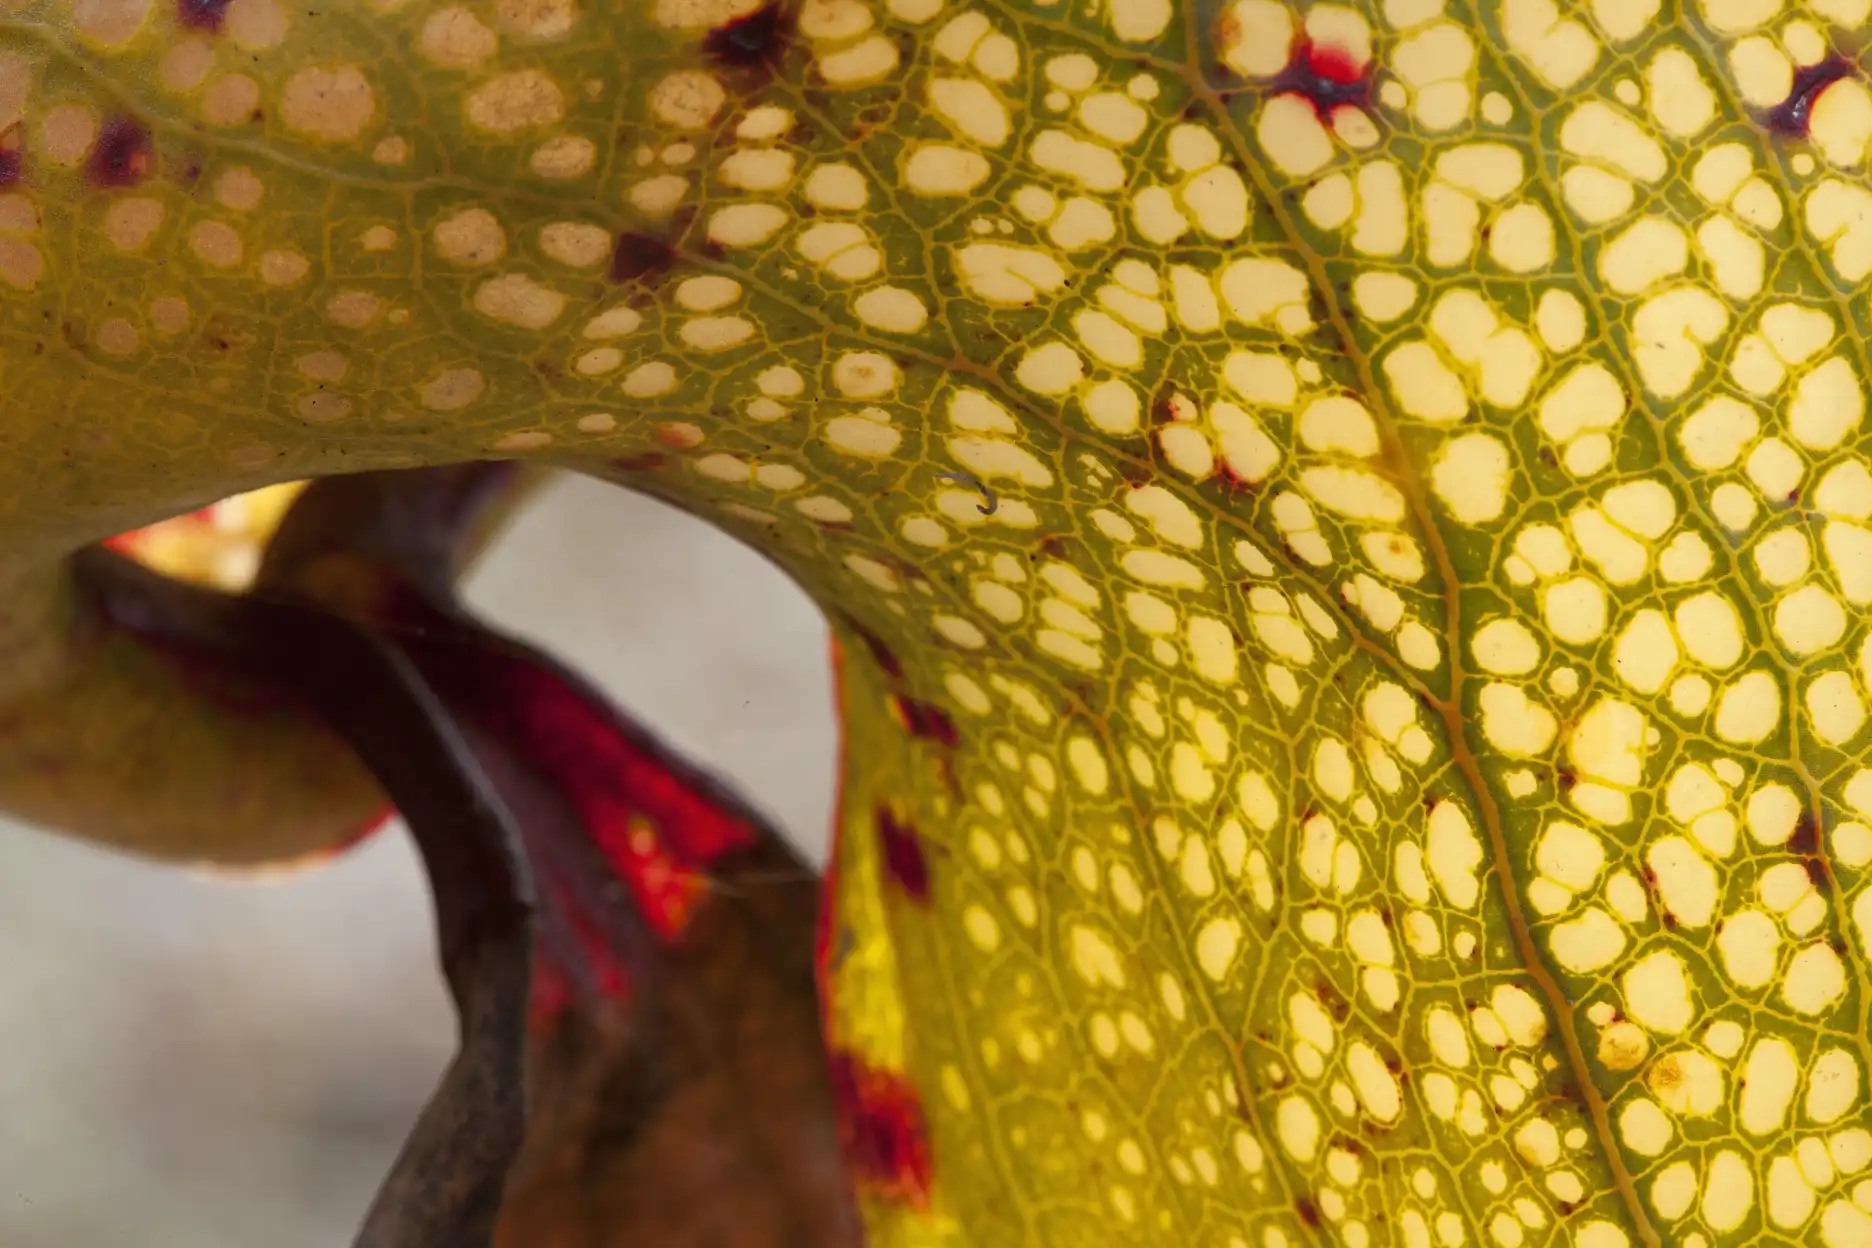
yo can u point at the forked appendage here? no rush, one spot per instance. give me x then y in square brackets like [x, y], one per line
[677, 1083]
[447, 1186]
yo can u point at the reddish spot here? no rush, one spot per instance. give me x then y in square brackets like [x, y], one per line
[920, 719]
[1327, 77]
[1164, 409]
[1308, 1211]
[903, 855]
[648, 461]
[124, 154]
[640, 258]
[881, 653]
[12, 158]
[881, 1126]
[1233, 481]
[755, 40]
[1805, 839]
[1791, 117]
[202, 14]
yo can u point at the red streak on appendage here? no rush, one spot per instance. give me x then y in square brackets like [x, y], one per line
[557, 980]
[658, 833]
[667, 894]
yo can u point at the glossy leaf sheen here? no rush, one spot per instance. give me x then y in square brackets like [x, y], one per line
[1392, 767]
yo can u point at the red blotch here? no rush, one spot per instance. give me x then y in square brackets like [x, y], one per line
[920, 719]
[1326, 76]
[202, 14]
[1334, 65]
[904, 859]
[1792, 116]
[881, 1126]
[124, 156]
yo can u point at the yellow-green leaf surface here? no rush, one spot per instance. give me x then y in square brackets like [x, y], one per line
[1385, 759]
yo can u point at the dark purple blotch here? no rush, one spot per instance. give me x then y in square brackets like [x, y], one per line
[904, 859]
[202, 14]
[1792, 116]
[751, 41]
[124, 156]
[640, 258]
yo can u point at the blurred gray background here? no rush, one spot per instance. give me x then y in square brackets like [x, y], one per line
[217, 1063]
